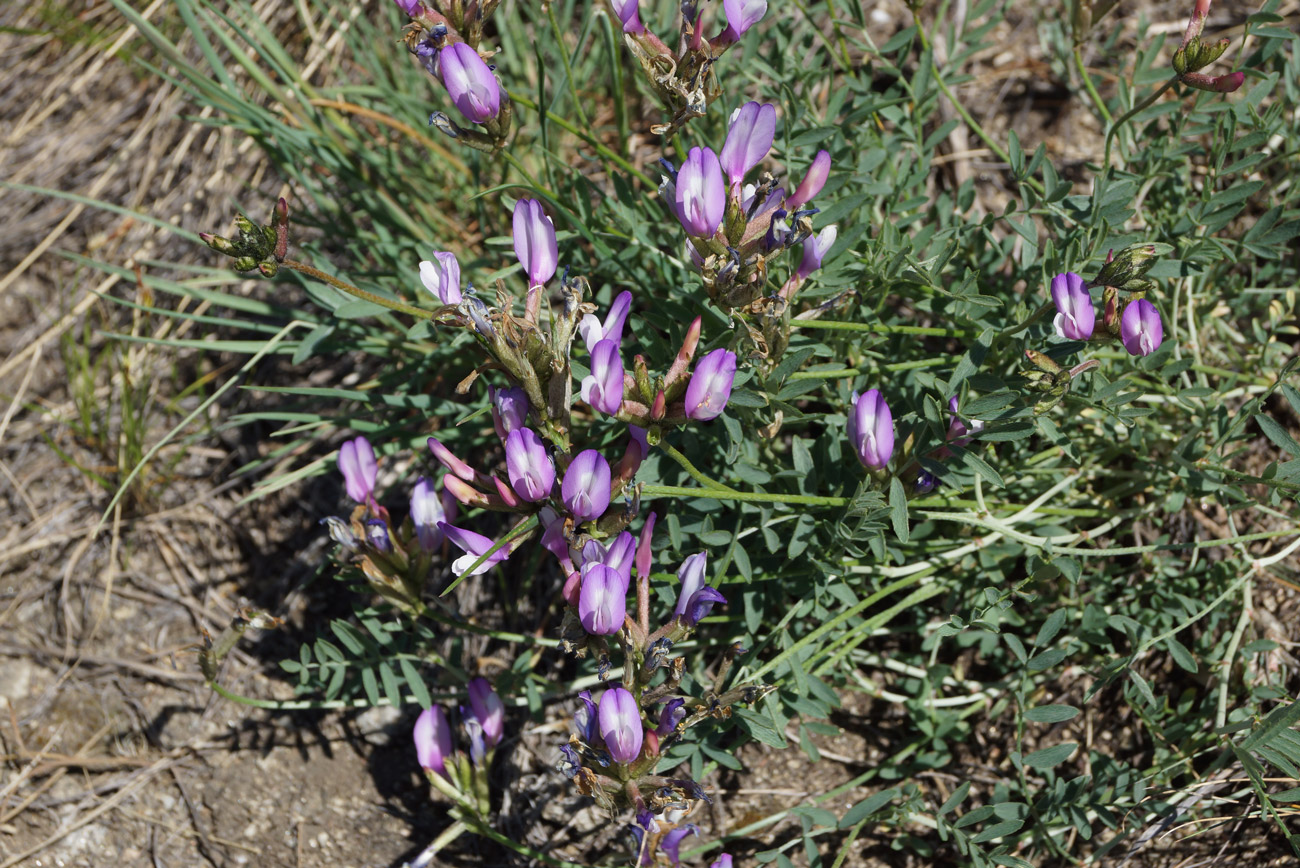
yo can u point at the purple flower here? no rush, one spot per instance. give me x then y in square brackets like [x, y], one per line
[357, 463]
[741, 15]
[748, 140]
[672, 842]
[674, 712]
[488, 709]
[509, 409]
[586, 485]
[450, 461]
[723, 861]
[553, 533]
[1140, 328]
[957, 430]
[925, 483]
[701, 193]
[410, 7]
[815, 250]
[474, 545]
[469, 82]
[532, 475]
[617, 555]
[710, 386]
[602, 603]
[432, 735]
[441, 276]
[695, 599]
[428, 510]
[626, 10]
[593, 331]
[584, 719]
[534, 236]
[1075, 316]
[377, 535]
[620, 725]
[812, 182]
[603, 387]
[871, 429]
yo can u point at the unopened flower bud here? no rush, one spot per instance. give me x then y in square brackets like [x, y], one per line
[432, 735]
[359, 468]
[871, 429]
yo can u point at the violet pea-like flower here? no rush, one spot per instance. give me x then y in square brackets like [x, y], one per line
[584, 719]
[602, 603]
[672, 842]
[1075, 316]
[586, 485]
[469, 82]
[620, 724]
[710, 387]
[428, 510]
[700, 193]
[812, 182]
[871, 429]
[534, 237]
[626, 10]
[432, 734]
[474, 545]
[815, 249]
[674, 712]
[603, 387]
[509, 409]
[741, 15]
[488, 709]
[532, 475]
[723, 861]
[1140, 328]
[617, 555]
[593, 331]
[749, 138]
[695, 599]
[359, 468]
[441, 276]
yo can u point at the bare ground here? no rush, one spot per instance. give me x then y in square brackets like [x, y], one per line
[114, 751]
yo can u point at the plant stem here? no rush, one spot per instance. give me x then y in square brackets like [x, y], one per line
[742, 496]
[1087, 83]
[1130, 114]
[693, 471]
[344, 286]
[879, 328]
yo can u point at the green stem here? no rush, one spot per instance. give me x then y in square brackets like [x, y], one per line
[741, 496]
[878, 328]
[344, 286]
[693, 471]
[1225, 678]
[1087, 83]
[568, 70]
[1130, 114]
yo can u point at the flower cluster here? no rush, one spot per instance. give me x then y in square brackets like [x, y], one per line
[1137, 325]
[685, 80]
[445, 38]
[397, 561]
[734, 229]
[462, 775]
